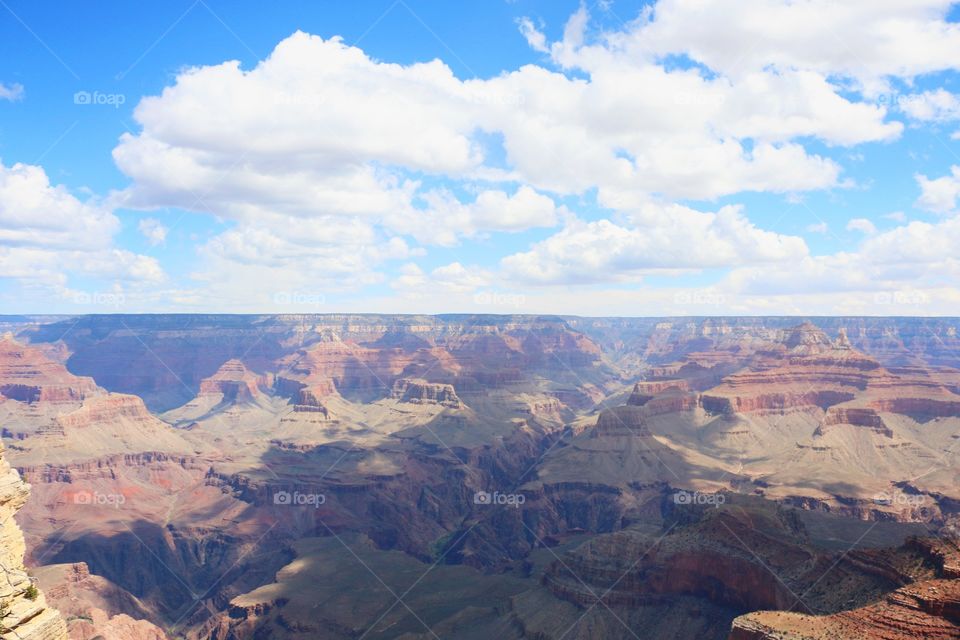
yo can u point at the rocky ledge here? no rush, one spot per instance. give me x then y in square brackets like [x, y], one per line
[24, 614]
[417, 391]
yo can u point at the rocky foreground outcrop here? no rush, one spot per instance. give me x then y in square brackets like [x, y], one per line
[926, 608]
[24, 614]
[929, 609]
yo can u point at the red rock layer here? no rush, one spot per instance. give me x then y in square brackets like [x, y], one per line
[808, 371]
[626, 420]
[28, 375]
[234, 381]
[418, 391]
[106, 409]
[857, 416]
[929, 609]
[332, 366]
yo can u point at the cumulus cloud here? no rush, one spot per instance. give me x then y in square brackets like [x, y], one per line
[863, 40]
[934, 106]
[46, 233]
[35, 213]
[445, 218]
[328, 164]
[679, 239]
[316, 254]
[320, 128]
[453, 278]
[915, 257]
[939, 194]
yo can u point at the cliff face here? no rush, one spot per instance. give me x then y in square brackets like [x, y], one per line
[924, 609]
[95, 607]
[808, 371]
[234, 382]
[24, 614]
[26, 375]
[418, 391]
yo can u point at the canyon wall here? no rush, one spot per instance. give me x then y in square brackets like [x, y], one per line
[24, 614]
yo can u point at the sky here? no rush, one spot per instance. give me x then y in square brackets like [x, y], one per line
[677, 157]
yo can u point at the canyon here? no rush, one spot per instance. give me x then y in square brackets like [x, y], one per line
[457, 476]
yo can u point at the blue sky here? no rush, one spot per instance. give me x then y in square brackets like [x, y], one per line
[618, 157]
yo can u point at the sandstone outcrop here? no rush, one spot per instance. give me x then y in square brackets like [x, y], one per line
[234, 382]
[27, 375]
[99, 624]
[808, 371]
[928, 609]
[24, 614]
[418, 391]
[94, 606]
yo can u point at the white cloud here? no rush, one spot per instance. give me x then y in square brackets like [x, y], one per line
[153, 230]
[301, 263]
[46, 234]
[917, 243]
[534, 37]
[12, 92]
[677, 239]
[319, 128]
[35, 213]
[453, 278]
[860, 39]
[446, 219]
[820, 227]
[328, 164]
[939, 194]
[918, 256]
[936, 106]
[862, 225]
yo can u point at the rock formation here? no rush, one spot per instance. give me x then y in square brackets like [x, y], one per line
[418, 391]
[94, 606]
[927, 608]
[234, 382]
[27, 375]
[24, 614]
[401, 423]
